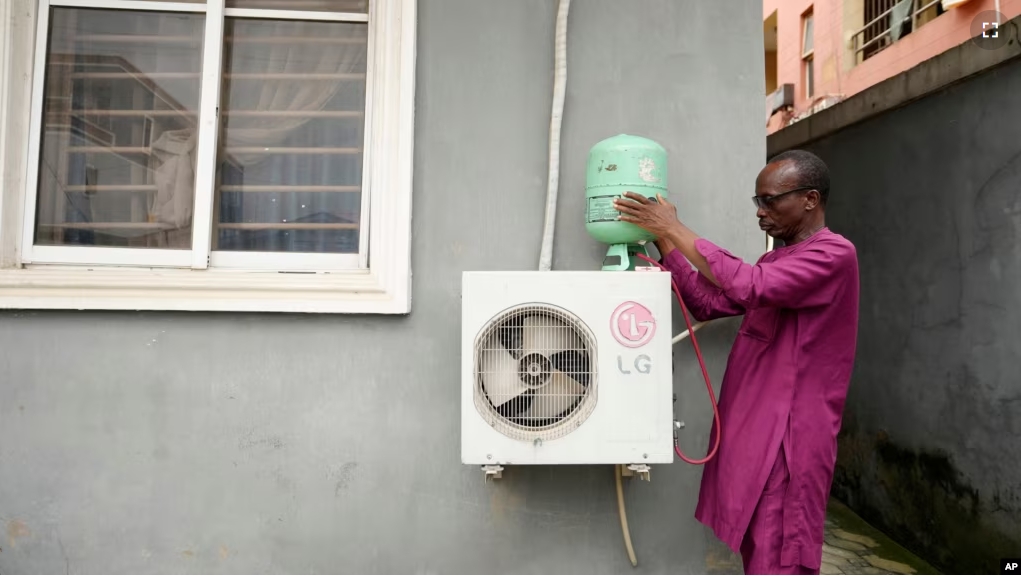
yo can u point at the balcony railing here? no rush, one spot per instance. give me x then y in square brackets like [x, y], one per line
[876, 35]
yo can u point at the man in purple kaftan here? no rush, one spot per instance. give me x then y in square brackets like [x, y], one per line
[782, 397]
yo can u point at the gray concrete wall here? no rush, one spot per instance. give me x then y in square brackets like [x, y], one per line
[930, 193]
[148, 442]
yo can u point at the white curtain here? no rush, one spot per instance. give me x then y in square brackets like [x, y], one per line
[316, 57]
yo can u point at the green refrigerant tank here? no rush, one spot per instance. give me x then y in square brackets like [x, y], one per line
[620, 164]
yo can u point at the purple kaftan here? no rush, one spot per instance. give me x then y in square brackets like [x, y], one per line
[786, 381]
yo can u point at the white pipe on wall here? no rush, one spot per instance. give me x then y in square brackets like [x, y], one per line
[687, 333]
[559, 90]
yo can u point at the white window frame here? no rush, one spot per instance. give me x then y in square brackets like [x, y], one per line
[376, 281]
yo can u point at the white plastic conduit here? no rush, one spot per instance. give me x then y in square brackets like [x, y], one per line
[687, 333]
[559, 90]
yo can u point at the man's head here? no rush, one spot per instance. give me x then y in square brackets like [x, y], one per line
[791, 193]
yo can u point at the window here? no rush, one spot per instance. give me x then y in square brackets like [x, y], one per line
[874, 36]
[218, 155]
[885, 22]
[807, 53]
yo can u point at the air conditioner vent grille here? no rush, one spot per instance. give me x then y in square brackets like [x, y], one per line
[535, 372]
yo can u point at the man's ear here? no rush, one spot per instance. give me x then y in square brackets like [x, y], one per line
[812, 200]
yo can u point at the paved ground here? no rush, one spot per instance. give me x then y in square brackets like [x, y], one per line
[851, 547]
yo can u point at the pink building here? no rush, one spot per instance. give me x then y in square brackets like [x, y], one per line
[819, 52]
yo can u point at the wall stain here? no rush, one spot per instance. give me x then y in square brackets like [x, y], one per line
[921, 500]
[504, 500]
[16, 529]
[63, 552]
[251, 442]
[344, 473]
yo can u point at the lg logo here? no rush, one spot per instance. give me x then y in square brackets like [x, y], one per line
[642, 364]
[632, 325]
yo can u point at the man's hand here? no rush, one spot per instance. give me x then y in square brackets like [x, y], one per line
[658, 217]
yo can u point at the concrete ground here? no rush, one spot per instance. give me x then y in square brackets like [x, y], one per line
[851, 546]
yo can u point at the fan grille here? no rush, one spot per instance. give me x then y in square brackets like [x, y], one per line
[535, 376]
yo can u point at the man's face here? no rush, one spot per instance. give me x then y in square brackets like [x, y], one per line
[782, 204]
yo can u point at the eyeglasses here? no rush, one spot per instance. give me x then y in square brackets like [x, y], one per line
[765, 202]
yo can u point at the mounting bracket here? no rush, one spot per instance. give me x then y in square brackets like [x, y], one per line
[494, 471]
[641, 470]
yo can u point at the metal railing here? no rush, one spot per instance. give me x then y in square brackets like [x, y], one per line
[884, 39]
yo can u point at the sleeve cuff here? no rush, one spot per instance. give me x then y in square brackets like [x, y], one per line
[675, 261]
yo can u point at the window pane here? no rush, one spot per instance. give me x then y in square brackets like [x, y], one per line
[306, 5]
[120, 108]
[292, 128]
[809, 78]
[807, 41]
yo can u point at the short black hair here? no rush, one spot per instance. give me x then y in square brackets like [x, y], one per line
[809, 170]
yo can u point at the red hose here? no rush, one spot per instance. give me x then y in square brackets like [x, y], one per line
[705, 374]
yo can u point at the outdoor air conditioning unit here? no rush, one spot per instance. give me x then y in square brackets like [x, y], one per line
[566, 368]
[780, 98]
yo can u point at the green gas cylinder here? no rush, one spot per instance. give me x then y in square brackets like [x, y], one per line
[620, 164]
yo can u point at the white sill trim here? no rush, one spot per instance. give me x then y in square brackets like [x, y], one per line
[353, 292]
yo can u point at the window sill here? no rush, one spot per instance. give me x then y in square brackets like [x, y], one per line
[361, 292]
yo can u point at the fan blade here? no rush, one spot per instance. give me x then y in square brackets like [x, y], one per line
[553, 400]
[513, 408]
[547, 335]
[511, 334]
[499, 373]
[573, 363]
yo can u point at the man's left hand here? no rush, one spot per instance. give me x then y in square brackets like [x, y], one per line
[659, 217]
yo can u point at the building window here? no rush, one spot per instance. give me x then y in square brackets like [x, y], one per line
[769, 35]
[884, 22]
[807, 53]
[216, 145]
[874, 36]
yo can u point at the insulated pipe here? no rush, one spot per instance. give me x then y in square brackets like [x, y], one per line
[618, 472]
[559, 90]
[687, 333]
